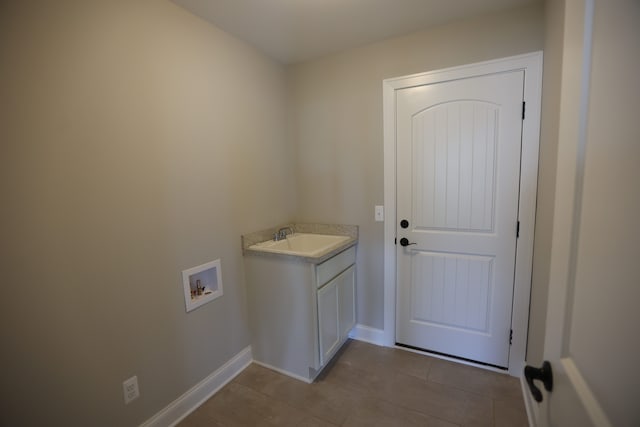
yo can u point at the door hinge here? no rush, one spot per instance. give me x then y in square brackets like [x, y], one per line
[510, 336]
[523, 108]
[518, 229]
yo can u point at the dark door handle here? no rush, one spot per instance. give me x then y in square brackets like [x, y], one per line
[543, 374]
[405, 242]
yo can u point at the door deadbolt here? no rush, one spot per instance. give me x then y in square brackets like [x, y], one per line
[404, 223]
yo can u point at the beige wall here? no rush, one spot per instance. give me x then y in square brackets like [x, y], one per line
[552, 76]
[337, 126]
[136, 141]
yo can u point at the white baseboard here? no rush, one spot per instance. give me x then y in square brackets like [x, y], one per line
[283, 372]
[367, 334]
[530, 405]
[177, 410]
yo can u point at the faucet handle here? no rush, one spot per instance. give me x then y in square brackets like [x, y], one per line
[282, 233]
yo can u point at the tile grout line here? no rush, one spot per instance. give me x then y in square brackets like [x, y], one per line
[383, 374]
[289, 404]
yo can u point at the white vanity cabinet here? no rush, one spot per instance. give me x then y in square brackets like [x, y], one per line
[300, 313]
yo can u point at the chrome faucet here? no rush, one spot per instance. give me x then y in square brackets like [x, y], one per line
[282, 233]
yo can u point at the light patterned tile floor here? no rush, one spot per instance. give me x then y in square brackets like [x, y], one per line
[371, 386]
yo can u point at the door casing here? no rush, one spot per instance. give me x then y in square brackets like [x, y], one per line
[531, 64]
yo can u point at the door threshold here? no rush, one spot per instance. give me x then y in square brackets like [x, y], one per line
[455, 359]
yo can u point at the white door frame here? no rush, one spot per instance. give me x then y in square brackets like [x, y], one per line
[532, 65]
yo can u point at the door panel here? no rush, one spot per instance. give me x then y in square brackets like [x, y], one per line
[458, 154]
[460, 283]
[455, 164]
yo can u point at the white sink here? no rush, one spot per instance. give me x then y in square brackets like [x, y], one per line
[302, 244]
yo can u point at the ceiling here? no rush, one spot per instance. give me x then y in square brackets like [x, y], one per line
[293, 31]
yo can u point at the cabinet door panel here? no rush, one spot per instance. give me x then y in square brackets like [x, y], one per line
[346, 302]
[329, 334]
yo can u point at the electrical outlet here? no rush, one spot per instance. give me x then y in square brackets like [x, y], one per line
[379, 213]
[130, 389]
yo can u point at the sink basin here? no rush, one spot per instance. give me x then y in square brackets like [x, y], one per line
[302, 244]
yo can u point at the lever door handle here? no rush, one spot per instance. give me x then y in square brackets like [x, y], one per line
[543, 374]
[405, 242]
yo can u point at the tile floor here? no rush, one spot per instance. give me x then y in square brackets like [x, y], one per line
[367, 385]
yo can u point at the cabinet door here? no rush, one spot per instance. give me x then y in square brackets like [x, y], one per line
[346, 301]
[329, 334]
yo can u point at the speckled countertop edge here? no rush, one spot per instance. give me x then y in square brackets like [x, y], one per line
[330, 229]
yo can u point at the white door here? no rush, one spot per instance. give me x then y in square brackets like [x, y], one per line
[458, 174]
[592, 334]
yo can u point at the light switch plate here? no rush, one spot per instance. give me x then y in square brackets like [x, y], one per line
[379, 213]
